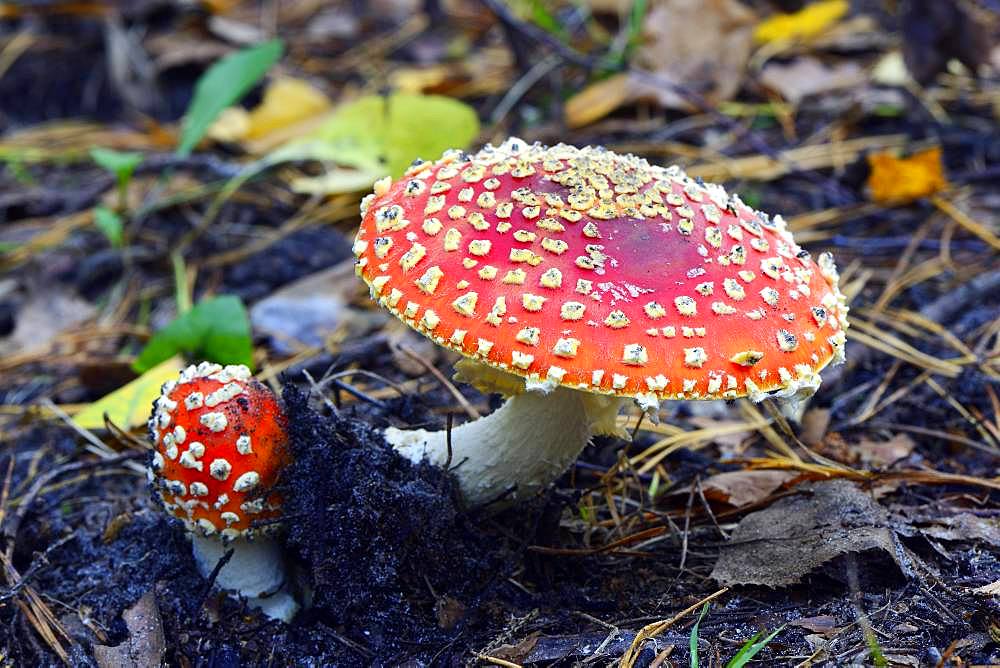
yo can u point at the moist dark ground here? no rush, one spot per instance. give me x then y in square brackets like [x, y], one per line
[403, 575]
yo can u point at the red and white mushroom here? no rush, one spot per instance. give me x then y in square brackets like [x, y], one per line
[587, 278]
[219, 445]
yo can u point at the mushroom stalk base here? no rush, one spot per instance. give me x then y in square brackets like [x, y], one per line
[256, 571]
[520, 448]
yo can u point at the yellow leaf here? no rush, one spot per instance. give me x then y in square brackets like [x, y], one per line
[806, 23]
[598, 100]
[287, 102]
[130, 405]
[232, 125]
[336, 181]
[896, 180]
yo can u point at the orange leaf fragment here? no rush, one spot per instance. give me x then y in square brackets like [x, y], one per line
[899, 180]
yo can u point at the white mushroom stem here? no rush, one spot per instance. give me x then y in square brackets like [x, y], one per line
[256, 570]
[518, 449]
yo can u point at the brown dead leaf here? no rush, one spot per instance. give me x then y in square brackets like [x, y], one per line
[823, 624]
[807, 76]
[695, 45]
[174, 49]
[46, 315]
[779, 545]
[517, 653]
[883, 453]
[965, 527]
[145, 645]
[449, 612]
[744, 488]
[703, 45]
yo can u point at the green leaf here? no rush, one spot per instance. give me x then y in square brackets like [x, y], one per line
[222, 85]
[693, 641]
[375, 135]
[541, 16]
[216, 330]
[120, 163]
[110, 224]
[751, 648]
[128, 406]
[386, 134]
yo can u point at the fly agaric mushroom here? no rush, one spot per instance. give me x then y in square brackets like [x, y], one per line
[572, 279]
[219, 444]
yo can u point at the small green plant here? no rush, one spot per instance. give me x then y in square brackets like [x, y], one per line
[216, 329]
[18, 170]
[693, 640]
[654, 486]
[542, 16]
[224, 84]
[752, 197]
[632, 34]
[752, 647]
[110, 224]
[748, 651]
[121, 165]
[874, 648]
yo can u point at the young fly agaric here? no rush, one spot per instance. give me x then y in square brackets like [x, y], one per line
[594, 277]
[219, 444]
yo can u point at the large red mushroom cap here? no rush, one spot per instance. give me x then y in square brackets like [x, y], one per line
[598, 271]
[219, 444]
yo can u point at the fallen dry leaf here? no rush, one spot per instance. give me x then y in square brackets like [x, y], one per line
[823, 624]
[964, 527]
[145, 645]
[808, 22]
[46, 315]
[517, 653]
[778, 546]
[992, 589]
[744, 488]
[807, 76]
[900, 180]
[305, 312]
[128, 406]
[883, 453]
[701, 47]
[599, 99]
[287, 102]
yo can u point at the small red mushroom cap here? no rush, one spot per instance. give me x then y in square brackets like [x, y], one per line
[219, 444]
[598, 271]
